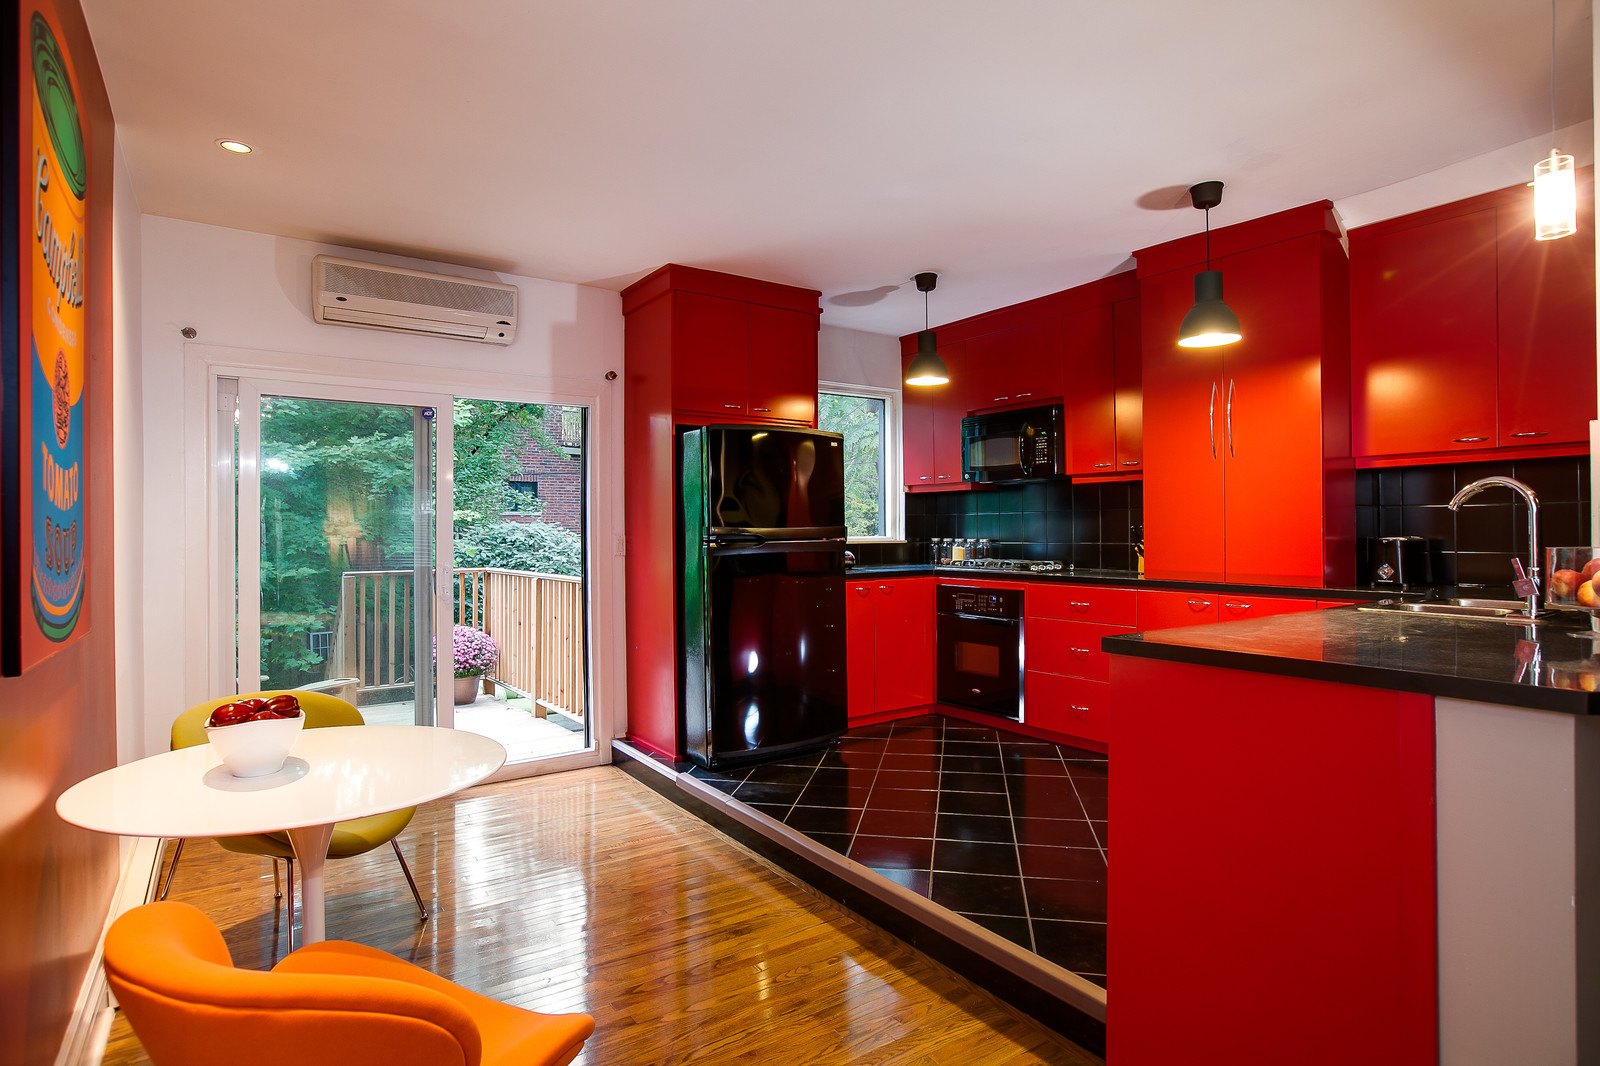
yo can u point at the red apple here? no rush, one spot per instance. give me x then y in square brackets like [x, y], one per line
[262, 716]
[253, 701]
[231, 714]
[284, 705]
[1563, 583]
[1591, 568]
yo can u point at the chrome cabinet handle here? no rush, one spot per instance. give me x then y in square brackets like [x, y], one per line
[1531, 433]
[1082, 711]
[1079, 653]
[944, 476]
[1470, 440]
[761, 409]
[1230, 418]
[1130, 462]
[1000, 399]
[1199, 603]
[1097, 466]
[863, 590]
[925, 477]
[1023, 395]
[887, 590]
[1211, 419]
[1080, 604]
[1236, 606]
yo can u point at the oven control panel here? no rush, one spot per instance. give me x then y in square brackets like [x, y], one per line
[980, 601]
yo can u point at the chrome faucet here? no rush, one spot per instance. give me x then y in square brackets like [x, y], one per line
[1528, 583]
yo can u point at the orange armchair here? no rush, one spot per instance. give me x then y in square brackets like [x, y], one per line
[327, 1004]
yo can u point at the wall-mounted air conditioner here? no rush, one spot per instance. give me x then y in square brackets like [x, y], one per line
[345, 292]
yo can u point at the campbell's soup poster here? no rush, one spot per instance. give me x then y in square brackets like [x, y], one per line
[52, 399]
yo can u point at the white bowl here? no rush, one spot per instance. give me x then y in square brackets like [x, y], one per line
[255, 749]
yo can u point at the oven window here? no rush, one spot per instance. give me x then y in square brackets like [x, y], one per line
[981, 660]
[993, 453]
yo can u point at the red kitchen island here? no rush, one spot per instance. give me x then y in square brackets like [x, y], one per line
[1353, 835]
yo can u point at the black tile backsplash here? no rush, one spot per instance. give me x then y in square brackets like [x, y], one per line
[1475, 545]
[1089, 525]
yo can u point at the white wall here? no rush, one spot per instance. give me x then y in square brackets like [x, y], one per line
[852, 357]
[127, 416]
[251, 292]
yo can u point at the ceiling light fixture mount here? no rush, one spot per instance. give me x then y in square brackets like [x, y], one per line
[227, 144]
[1210, 323]
[926, 367]
[1555, 182]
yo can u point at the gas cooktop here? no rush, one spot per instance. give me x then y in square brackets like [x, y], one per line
[1018, 565]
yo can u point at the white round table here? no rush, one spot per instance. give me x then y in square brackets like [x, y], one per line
[332, 775]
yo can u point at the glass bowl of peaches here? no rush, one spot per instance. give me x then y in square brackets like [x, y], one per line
[253, 736]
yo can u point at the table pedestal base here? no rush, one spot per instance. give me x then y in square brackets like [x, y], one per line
[311, 851]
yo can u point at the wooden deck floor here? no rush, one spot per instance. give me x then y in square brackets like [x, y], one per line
[586, 891]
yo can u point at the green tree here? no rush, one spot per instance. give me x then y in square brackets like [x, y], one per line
[860, 419]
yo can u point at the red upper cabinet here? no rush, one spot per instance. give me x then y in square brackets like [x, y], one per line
[1016, 366]
[783, 365]
[713, 334]
[1091, 406]
[1546, 326]
[1129, 403]
[1422, 336]
[1246, 443]
[1467, 334]
[931, 423]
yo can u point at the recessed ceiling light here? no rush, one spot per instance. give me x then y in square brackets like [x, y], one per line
[237, 147]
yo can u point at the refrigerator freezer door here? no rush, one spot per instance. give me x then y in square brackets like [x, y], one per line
[774, 479]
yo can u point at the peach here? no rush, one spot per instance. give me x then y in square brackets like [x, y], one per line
[1591, 568]
[1563, 583]
[1588, 595]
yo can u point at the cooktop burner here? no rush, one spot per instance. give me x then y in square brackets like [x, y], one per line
[1020, 565]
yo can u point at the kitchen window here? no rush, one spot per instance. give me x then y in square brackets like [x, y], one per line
[869, 419]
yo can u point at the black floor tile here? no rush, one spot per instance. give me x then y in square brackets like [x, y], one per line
[1015, 930]
[970, 764]
[902, 799]
[978, 893]
[839, 842]
[990, 803]
[860, 758]
[908, 824]
[974, 857]
[1076, 901]
[1034, 765]
[775, 811]
[867, 733]
[925, 779]
[1100, 832]
[832, 795]
[915, 880]
[1097, 807]
[722, 784]
[1057, 832]
[974, 827]
[761, 792]
[781, 774]
[897, 853]
[900, 760]
[841, 776]
[829, 820]
[1076, 946]
[913, 746]
[1090, 786]
[973, 782]
[1077, 864]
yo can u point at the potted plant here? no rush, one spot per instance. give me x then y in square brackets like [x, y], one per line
[475, 655]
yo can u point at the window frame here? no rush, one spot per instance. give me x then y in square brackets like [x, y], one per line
[894, 496]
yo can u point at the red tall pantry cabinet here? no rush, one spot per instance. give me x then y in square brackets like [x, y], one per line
[1247, 446]
[699, 348]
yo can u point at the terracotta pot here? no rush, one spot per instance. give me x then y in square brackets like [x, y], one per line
[467, 688]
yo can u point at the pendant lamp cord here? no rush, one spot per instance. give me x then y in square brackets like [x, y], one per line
[924, 310]
[1552, 69]
[1208, 238]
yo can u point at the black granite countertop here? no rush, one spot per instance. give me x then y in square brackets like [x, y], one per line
[1129, 578]
[1549, 666]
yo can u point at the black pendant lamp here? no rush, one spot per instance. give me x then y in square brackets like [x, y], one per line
[1210, 323]
[926, 367]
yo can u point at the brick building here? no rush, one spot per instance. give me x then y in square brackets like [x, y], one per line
[554, 480]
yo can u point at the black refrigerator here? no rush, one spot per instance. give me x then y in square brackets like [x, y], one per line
[762, 592]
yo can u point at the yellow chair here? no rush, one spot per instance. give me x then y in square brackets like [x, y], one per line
[328, 1004]
[355, 837]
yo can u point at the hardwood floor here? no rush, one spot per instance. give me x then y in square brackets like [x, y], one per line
[586, 891]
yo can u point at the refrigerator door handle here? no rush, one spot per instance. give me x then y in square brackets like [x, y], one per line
[729, 546]
[734, 540]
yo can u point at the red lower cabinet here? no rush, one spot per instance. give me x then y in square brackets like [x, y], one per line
[1275, 877]
[1231, 608]
[1170, 609]
[1072, 706]
[889, 641]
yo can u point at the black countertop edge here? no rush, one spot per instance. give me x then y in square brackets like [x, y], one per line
[1130, 579]
[1477, 690]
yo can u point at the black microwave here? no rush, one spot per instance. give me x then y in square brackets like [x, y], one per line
[1016, 445]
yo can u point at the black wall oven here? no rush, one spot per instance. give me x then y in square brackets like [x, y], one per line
[1014, 445]
[980, 649]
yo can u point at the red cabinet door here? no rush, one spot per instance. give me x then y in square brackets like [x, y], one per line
[1071, 706]
[1164, 609]
[711, 339]
[1091, 403]
[905, 643]
[950, 406]
[1233, 607]
[1546, 327]
[783, 365]
[1100, 604]
[1129, 363]
[1069, 648]
[1269, 416]
[861, 653]
[1034, 368]
[1183, 427]
[1423, 361]
[986, 381]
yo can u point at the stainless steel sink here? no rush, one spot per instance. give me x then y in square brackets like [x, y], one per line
[1514, 611]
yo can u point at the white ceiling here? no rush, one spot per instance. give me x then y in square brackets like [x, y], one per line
[1015, 146]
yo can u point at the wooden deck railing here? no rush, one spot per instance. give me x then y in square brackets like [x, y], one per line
[536, 619]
